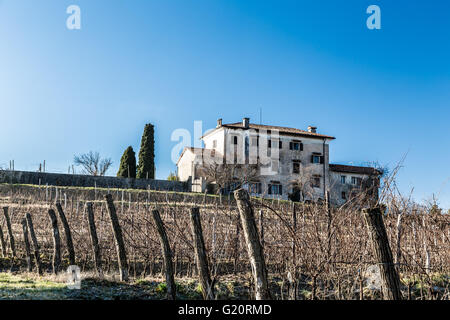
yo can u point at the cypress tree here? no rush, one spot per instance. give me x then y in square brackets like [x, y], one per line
[127, 162]
[146, 167]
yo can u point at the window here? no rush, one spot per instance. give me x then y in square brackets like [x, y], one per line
[275, 188]
[295, 145]
[235, 140]
[315, 182]
[269, 143]
[255, 141]
[254, 187]
[343, 178]
[317, 158]
[343, 195]
[214, 144]
[356, 180]
[296, 167]
[280, 144]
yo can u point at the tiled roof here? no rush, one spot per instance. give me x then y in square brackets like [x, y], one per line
[281, 130]
[353, 169]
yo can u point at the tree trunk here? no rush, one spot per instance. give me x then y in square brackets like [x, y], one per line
[10, 233]
[27, 244]
[167, 254]
[200, 254]
[377, 232]
[254, 248]
[56, 241]
[120, 246]
[68, 234]
[94, 239]
[37, 256]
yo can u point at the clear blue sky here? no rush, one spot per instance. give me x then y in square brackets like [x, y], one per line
[382, 93]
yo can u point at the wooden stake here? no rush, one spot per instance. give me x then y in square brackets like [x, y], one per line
[27, 244]
[254, 248]
[167, 254]
[200, 254]
[377, 232]
[37, 256]
[56, 241]
[67, 233]
[94, 239]
[120, 246]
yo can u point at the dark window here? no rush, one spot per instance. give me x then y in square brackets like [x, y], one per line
[356, 180]
[315, 159]
[343, 178]
[254, 187]
[343, 196]
[298, 146]
[296, 167]
[315, 182]
[235, 141]
[280, 145]
[269, 143]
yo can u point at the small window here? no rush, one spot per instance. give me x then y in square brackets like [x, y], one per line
[315, 182]
[254, 188]
[235, 140]
[316, 159]
[280, 144]
[269, 143]
[275, 189]
[343, 179]
[214, 144]
[298, 146]
[343, 195]
[356, 180]
[296, 167]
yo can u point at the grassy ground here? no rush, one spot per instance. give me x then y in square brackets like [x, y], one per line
[28, 286]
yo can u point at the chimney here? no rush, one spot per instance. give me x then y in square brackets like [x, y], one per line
[246, 123]
[219, 123]
[312, 129]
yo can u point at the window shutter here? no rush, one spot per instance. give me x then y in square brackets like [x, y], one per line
[270, 189]
[301, 146]
[280, 187]
[322, 159]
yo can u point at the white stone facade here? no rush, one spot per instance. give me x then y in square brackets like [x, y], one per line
[286, 158]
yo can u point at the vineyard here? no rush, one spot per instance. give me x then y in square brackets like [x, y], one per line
[311, 251]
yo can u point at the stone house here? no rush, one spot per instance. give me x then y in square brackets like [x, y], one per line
[287, 163]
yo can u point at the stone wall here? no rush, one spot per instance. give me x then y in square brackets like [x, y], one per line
[57, 179]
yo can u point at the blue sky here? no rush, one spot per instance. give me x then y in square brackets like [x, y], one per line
[381, 93]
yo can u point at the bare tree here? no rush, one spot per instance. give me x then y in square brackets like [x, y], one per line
[228, 175]
[92, 164]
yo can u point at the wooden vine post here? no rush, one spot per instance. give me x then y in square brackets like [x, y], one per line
[167, 255]
[10, 232]
[2, 242]
[390, 280]
[254, 248]
[56, 241]
[67, 233]
[200, 255]
[94, 239]
[27, 244]
[37, 256]
[118, 238]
